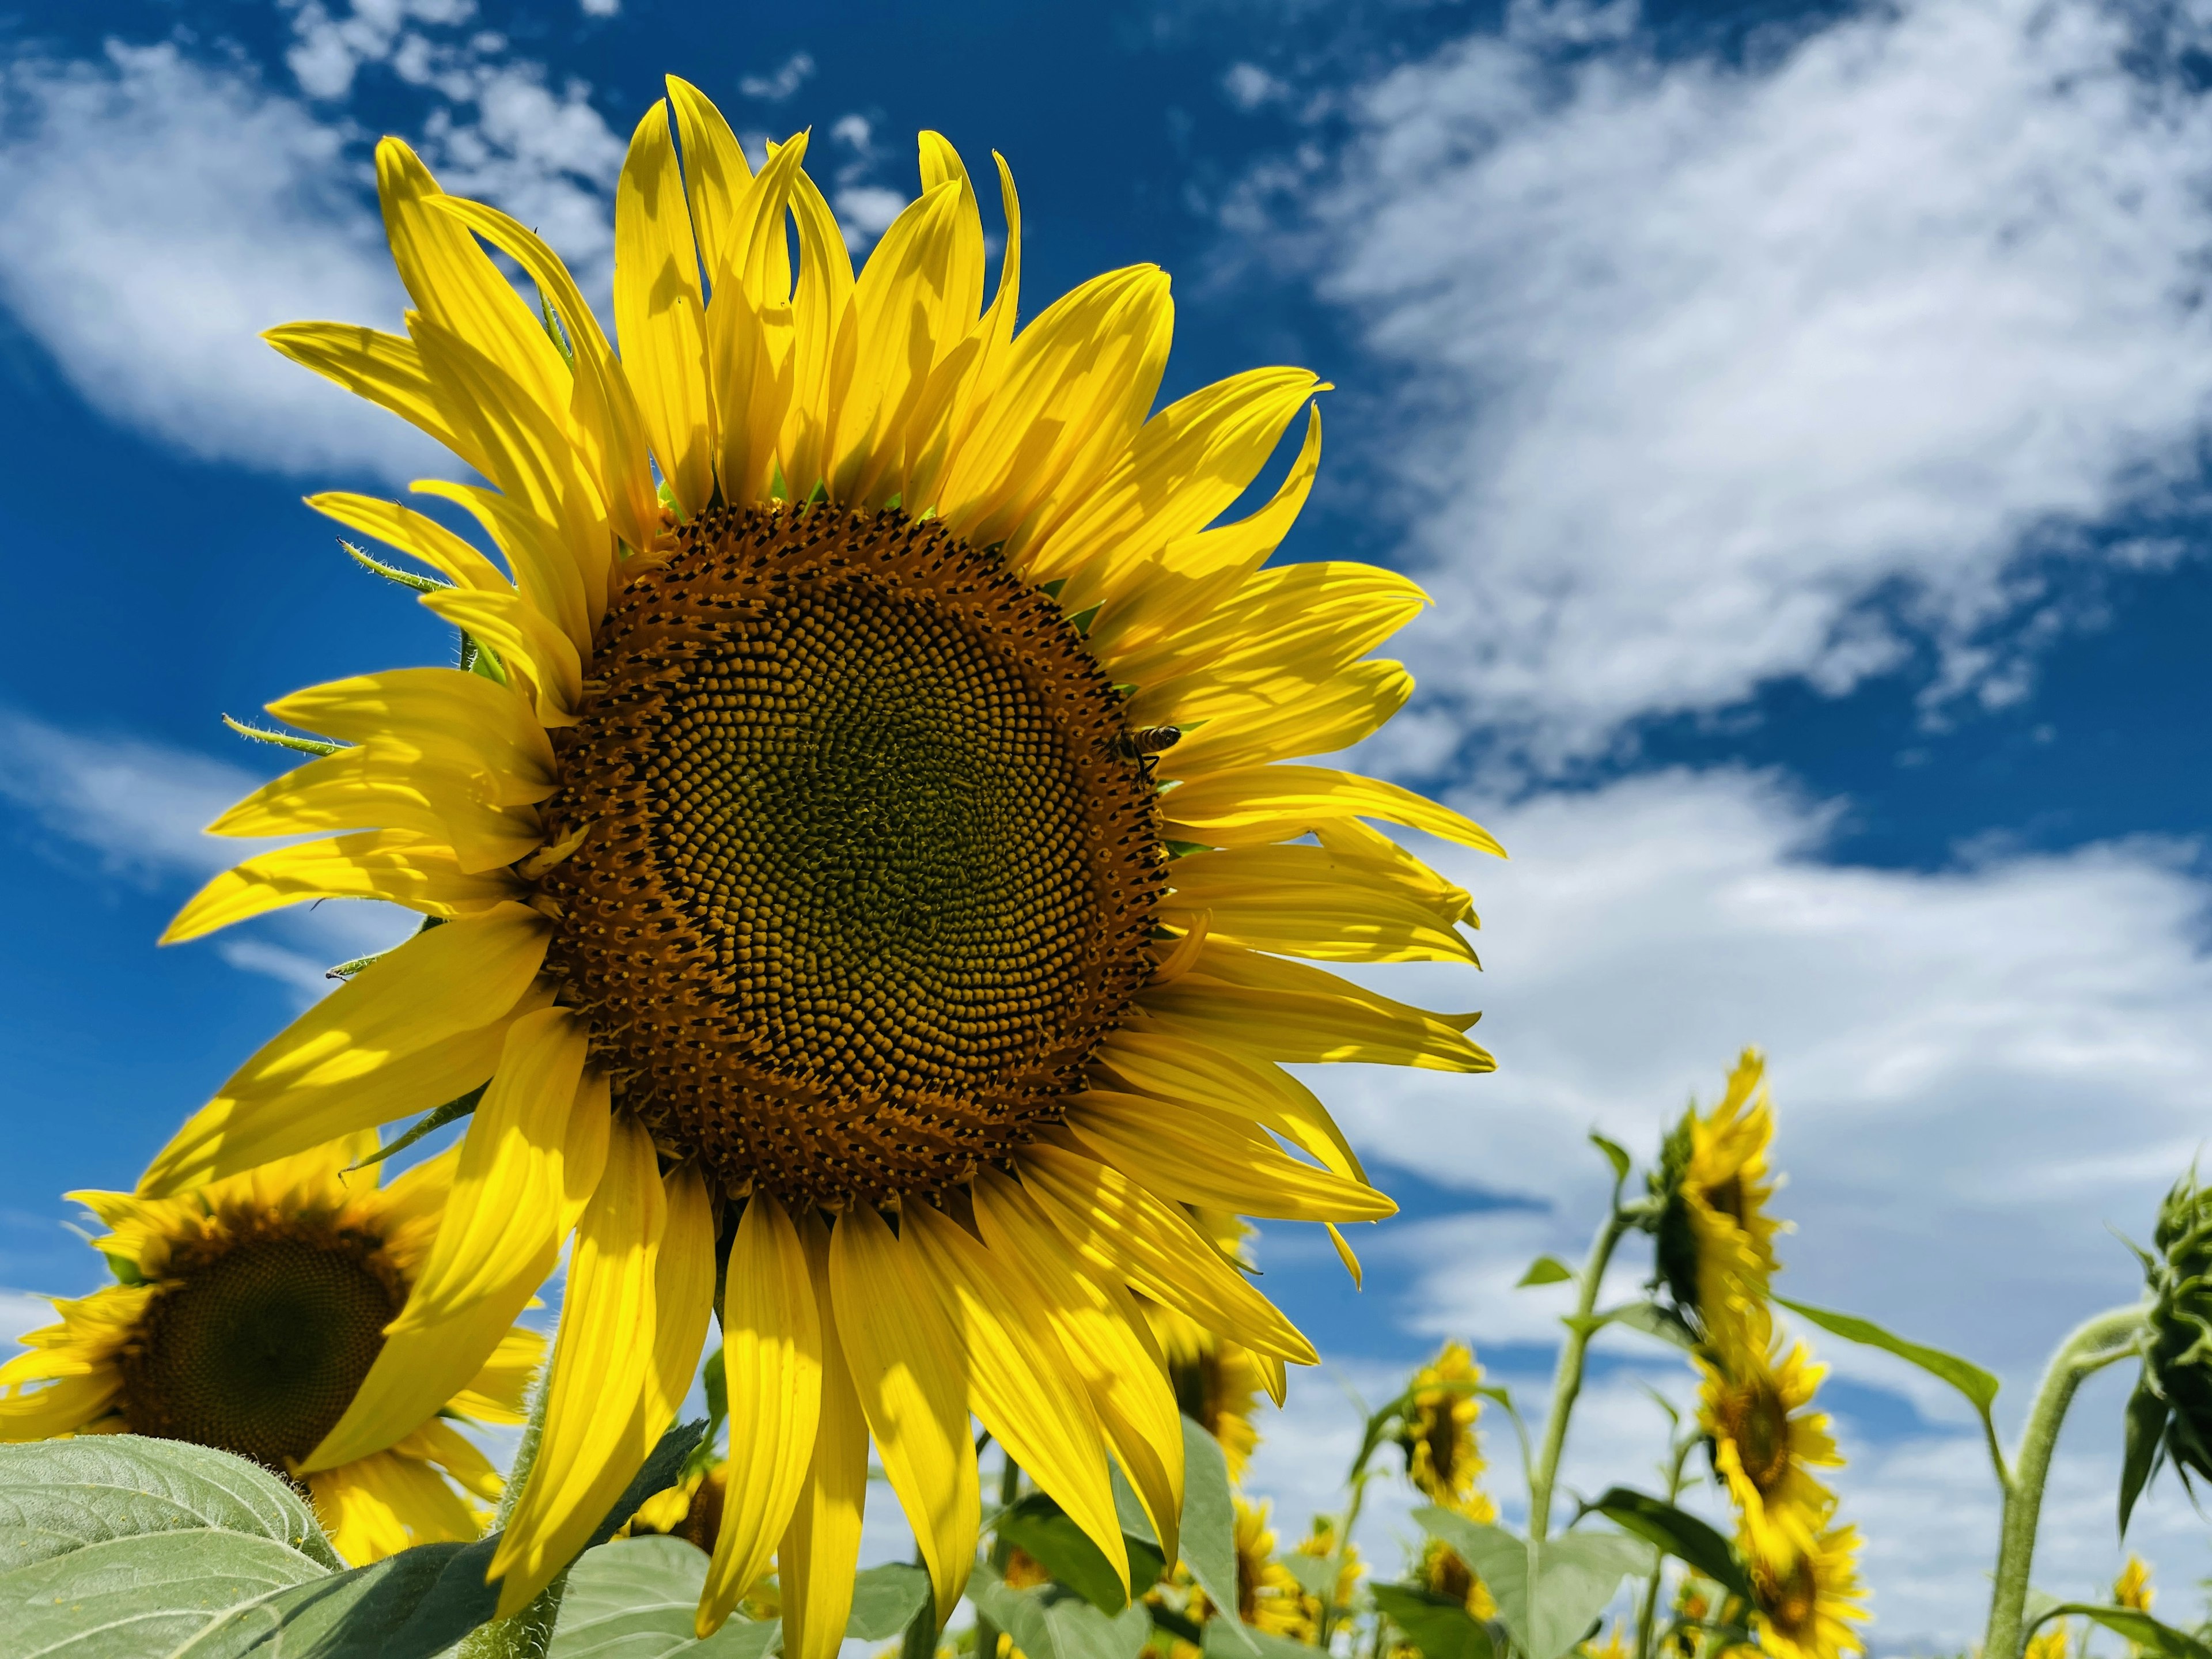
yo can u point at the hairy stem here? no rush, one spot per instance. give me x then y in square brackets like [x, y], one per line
[2108, 1337]
[1567, 1379]
[528, 1634]
[1647, 1614]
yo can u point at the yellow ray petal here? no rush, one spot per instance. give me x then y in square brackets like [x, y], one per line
[1344, 1253]
[530, 1161]
[1021, 1382]
[715, 173]
[394, 865]
[544, 574]
[438, 1442]
[749, 328]
[383, 1503]
[1153, 1063]
[528, 647]
[386, 369]
[454, 283]
[442, 985]
[682, 1296]
[1448, 900]
[1124, 1232]
[819, 300]
[63, 1406]
[1107, 1340]
[1310, 901]
[772, 1361]
[592, 1440]
[1288, 1011]
[496, 1393]
[911, 1375]
[1196, 1155]
[441, 714]
[1189, 463]
[816, 1559]
[361, 788]
[1252, 805]
[412, 533]
[659, 315]
[603, 413]
[1335, 714]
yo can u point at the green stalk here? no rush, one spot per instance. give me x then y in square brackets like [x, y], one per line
[528, 1633]
[1647, 1614]
[1009, 1493]
[1567, 1378]
[2093, 1345]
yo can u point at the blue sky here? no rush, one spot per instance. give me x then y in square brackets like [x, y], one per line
[1798, 415]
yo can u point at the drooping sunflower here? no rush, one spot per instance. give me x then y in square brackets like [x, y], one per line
[1805, 1609]
[1754, 1402]
[247, 1313]
[1716, 1240]
[1444, 1456]
[861, 852]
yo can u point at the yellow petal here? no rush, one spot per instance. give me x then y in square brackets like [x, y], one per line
[715, 173]
[1288, 1011]
[383, 1503]
[496, 1393]
[442, 715]
[819, 300]
[772, 1362]
[394, 865]
[528, 647]
[593, 1439]
[384, 368]
[1310, 901]
[815, 1563]
[912, 1378]
[750, 312]
[1449, 902]
[62, 1407]
[1153, 1063]
[1343, 1255]
[412, 533]
[368, 788]
[1320, 720]
[1108, 1341]
[659, 315]
[1122, 1230]
[529, 1156]
[544, 573]
[1196, 1155]
[1257, 804]
[324, 1075]
[438, 1442]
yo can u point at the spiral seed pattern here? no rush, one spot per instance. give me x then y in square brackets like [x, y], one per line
[871, 866]
[258, 1338]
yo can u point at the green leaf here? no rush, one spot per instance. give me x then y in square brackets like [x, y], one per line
[1546, 1270]
[1063, 1549]
[1616, 1154]
[1652, 1319]
[1209, 1529]
[124, 1597]
[1316, 1574]
[1069, 1628]
[635, 1598]
[1574, 1575]
[1439, 1626]
[1968, 1378]
[59, 1496]
[1680, 1534]
[2146, 1429]
[884, 1601]
[2145, 1632]
[413, 1605]
[1224, 1640]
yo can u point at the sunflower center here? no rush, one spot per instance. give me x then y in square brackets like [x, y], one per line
[257, 1342]
[1788, 1600]
[871, 863]
[1760, 1429]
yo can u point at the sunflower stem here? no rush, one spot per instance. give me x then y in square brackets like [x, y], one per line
[1647, 1614]
[2093, 1345]
[1567, 1378]
[1002, 1551]
[528, 1634]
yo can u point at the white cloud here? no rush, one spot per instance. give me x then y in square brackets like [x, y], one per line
[1975, 1072]
[327, 52]
[600, 8]
[791, 75]
[1722, 371]
[1249, 87]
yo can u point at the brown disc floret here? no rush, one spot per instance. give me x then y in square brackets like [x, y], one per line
[869, 863]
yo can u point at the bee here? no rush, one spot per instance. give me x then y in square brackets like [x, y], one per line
[1146, 744]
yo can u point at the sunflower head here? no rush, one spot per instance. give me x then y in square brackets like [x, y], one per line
[1269, 1595]
[1443, 1573]
[247, 1315]
[1754, 1406]
[1803, 1607]
[1437, 1434]
[2133, 1589]
[1715, 1246]
[875, 870]
[2175, 1390]
[1320, 1543]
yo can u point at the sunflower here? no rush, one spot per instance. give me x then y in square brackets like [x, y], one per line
[1217, 1383]
[1716, 1240]
[690, 1509]
[1766, 1442]
[1804, 1609]
[1444, 1459]
[1442, 1573]
[1269, 1595]
[855, 863]
[248, 1312]
[1320, 1543]
[2132, 1589]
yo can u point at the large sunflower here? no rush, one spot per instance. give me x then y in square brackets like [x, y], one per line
[1805, 1609]
[1716, 1238]
[248, 1312]
[1755, 1404]
[860, 858]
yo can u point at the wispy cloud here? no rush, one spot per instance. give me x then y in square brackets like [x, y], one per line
[790, 75]
[1725, 371]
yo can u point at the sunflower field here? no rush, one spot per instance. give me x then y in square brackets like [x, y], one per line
[873, 886]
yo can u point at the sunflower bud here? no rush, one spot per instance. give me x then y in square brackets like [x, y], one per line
[2170, 1415]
